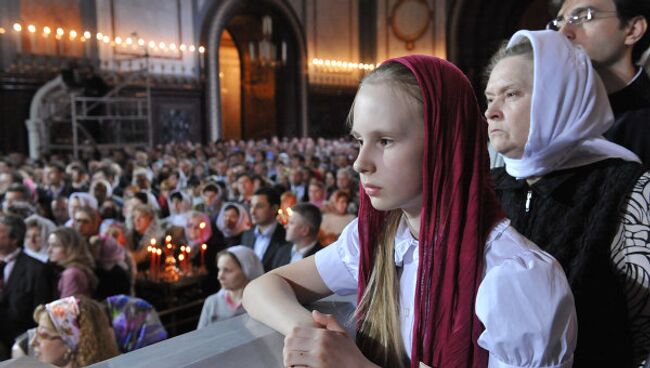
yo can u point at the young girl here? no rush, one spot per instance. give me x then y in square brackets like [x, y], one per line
[68, 249]
[441, 276]
[237, 265]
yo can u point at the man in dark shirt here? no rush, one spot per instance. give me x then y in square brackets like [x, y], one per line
[614, 34]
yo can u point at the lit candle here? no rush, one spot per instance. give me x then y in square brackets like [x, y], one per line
[181, 259]
[32, 37]
[151, 260]
[158, 262]
[168, 239]
[204, 247]
[19, 42]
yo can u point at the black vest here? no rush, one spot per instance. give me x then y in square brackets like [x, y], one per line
[573, 215]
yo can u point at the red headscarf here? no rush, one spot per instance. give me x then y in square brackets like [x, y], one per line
[459, 209]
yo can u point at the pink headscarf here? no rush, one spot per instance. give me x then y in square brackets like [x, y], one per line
[459, 209]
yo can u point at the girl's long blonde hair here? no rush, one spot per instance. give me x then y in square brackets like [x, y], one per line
[378, 335]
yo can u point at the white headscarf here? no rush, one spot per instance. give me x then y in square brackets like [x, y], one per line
[45, 227]
[569, 112]
[243, 223]
[105, 183]
[250, 263]
[85, 199]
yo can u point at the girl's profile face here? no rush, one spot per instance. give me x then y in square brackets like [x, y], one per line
[55, 250]
[389, 126]
[231, 276]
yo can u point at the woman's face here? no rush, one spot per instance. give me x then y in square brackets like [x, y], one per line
[509, 94]
[33, 237]
[341, 205]
[55, 249]
[231, 276]
[48, 344]
[194, 228]
[230, 218]
[389, 126]
[141, 221]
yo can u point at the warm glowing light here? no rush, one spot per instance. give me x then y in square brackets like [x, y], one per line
[202, 225]
[100, 36]
[152, 44]
[169, 246]
[188, 249]
[31, 28]
[153, 241]
[149, 249]
[2, 30]
[204, 246]
[192, 48]
[181, 257]
[183, 47]
[47, 30]
[162, 45]
[141, 42]
[87, 35]
[159, 251]
[60, 31]
[106, 39]
[118, 40]
[73, 34]
[18, 27]
[182, 248]
[129, 41]
[168, 239]
[172, 46]
[201, 49]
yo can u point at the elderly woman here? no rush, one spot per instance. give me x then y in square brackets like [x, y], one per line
[238, 266]
[145, 228]
[581, 198]
[38, 229]
[69, 250]
[73, 332]
[76, 200]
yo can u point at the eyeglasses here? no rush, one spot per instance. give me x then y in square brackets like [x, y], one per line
[578, 17]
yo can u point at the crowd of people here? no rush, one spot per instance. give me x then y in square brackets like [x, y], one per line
[80, 228]
[538, 256]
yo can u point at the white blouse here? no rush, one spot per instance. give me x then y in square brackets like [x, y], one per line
[524, 300]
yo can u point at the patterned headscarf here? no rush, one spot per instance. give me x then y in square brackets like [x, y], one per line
[135, 322]
[64, 314]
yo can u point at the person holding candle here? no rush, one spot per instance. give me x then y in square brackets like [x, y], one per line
[238, 266]
[145, 227]
[198, 232]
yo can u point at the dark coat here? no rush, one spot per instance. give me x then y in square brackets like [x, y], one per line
[277, 240]
[283, 255]
[28, 286]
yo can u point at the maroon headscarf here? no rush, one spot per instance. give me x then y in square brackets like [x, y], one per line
[459, 209]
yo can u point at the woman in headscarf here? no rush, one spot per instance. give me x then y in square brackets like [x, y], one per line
[135, 322]
[238, 266]
[232, 221]
[38, 229]
[68, 249]
[76, 200]
[441, 276]
[73, 332]
[199, 231]
[179, 205]
[580, 197]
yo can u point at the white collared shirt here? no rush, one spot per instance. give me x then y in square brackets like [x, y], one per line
[524, 300]
[11, 262]
[298, 254]
[263, 239]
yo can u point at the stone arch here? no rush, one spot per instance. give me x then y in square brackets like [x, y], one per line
[216, 21]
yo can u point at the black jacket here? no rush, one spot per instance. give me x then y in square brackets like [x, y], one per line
[277, 240]
[283, 255]
[28, 286]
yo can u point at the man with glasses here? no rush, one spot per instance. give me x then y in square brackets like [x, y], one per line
[614, 34]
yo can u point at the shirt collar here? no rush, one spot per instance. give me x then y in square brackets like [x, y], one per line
[404, 241]
[304, 250]
[269, 230]
[12, 256]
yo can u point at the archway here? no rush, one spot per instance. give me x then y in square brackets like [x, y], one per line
[290, 104]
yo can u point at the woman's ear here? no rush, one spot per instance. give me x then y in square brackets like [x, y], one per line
[636, 28]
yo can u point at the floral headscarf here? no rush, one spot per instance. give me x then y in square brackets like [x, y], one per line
[64, 314]
[135, 322]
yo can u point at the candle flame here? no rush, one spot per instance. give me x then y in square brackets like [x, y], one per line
[159, 251]
[202, 225]
[183, 248]
[204, 246]
[18, 27]
[181, 257]
[31, 28]
[153, 241]
[187, 249]
[168, 238]
[149, 249]
[169, 246]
